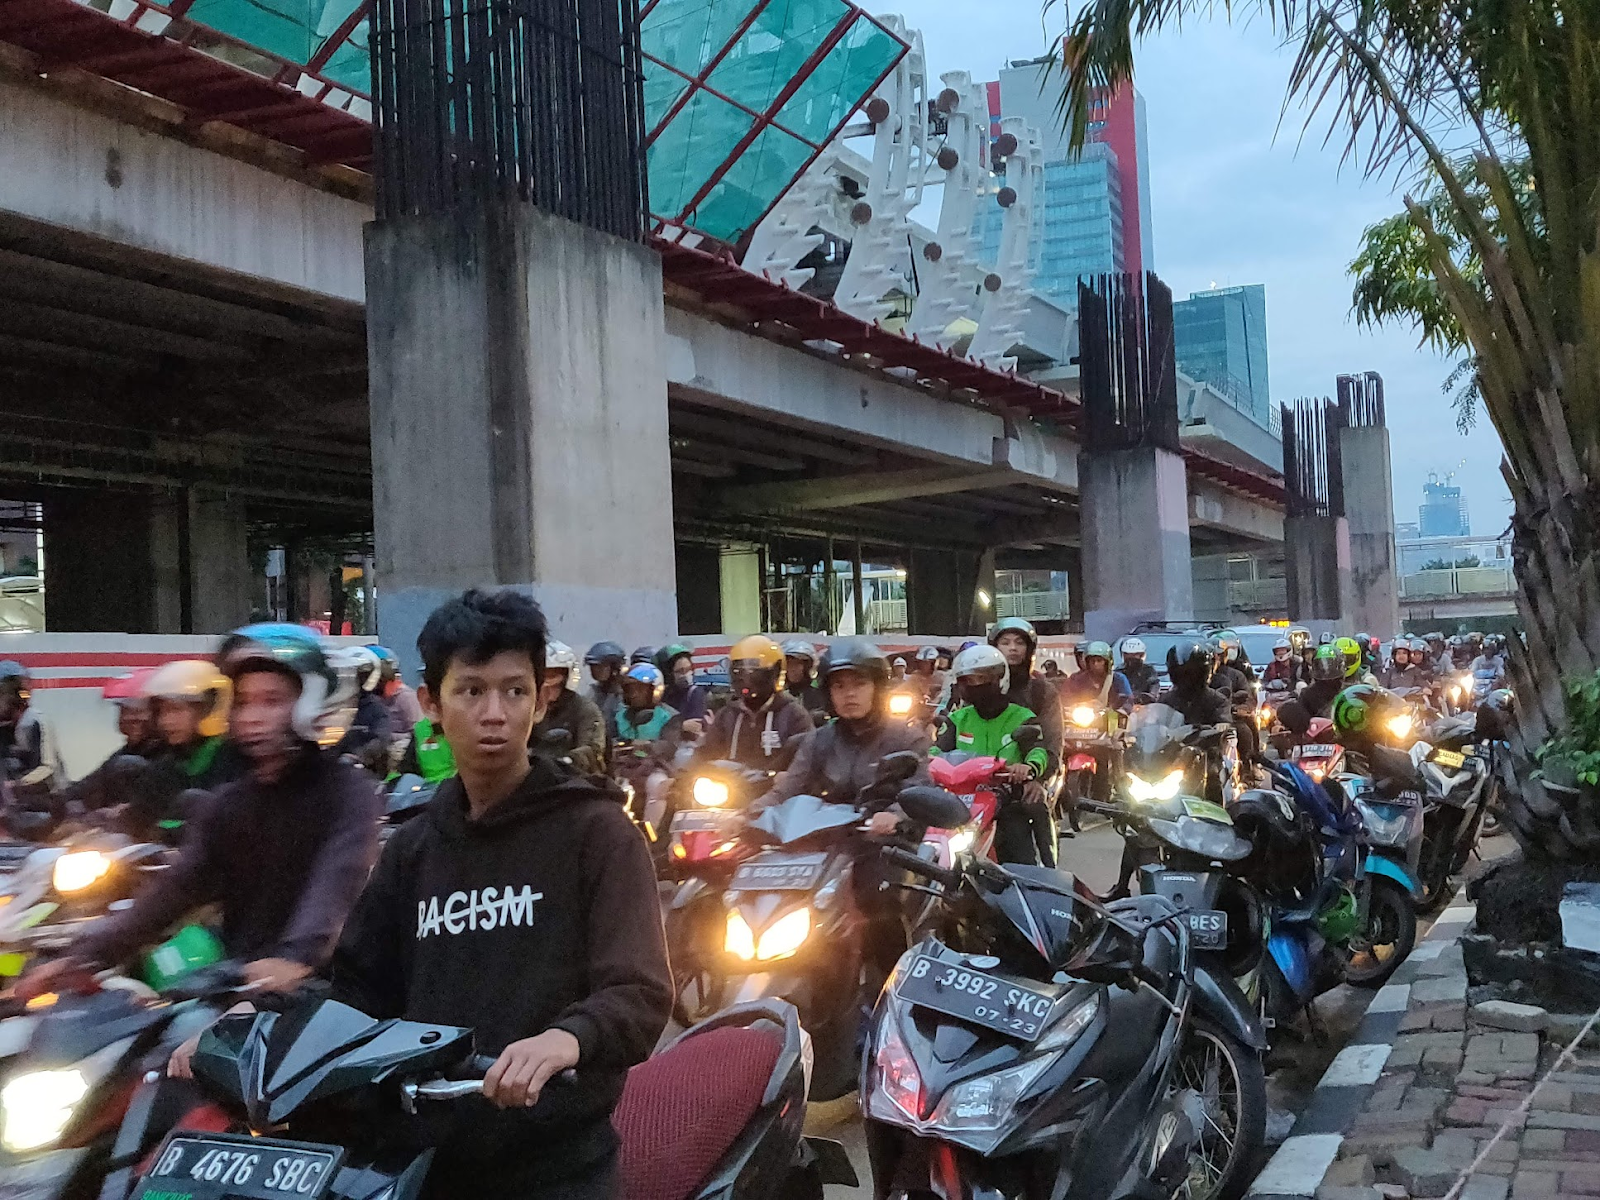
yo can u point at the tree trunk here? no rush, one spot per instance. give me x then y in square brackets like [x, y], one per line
[1554, 543]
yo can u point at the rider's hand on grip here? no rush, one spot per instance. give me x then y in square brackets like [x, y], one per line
[523, 1068]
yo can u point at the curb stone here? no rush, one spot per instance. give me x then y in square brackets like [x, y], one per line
[1377, 1066]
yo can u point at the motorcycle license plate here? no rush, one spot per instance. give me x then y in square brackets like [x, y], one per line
[1319, 750]
[778, 873]
[1208, 929]
[1450, 759]
[1075, 734]
[215, 1165]
[976, 996]
[690, 821]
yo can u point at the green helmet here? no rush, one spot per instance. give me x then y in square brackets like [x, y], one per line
[1351, 649]
[1015, 625]
[1328, 664]
[1356, 710]
[1098, 650]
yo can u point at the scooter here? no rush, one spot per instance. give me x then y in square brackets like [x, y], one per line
[308, 1105]
[704, 850]
[792, 925]
[1045, 1045]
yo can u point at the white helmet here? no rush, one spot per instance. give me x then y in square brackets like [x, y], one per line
[1133, 645]
[558, 656]
[980, 660]
[928, 654]
[365, 667]
[799, 648]
[1282, 644]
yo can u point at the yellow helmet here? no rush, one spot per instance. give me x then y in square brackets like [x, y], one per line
[195, 681]
[755, 657]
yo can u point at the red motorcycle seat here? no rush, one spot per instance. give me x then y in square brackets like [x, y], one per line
[680, 1111]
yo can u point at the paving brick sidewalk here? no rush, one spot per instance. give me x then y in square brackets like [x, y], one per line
[1424, 1087]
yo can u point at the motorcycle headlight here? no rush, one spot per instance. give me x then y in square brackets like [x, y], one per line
[1388, 825]
[983, 1104]
[739, 940]
[1264, 715]
[786, 935]
[35, 1108]
[1400, 724]
[1083, 716]
[961, 840]
[78, 870]
[1164, 789]
[710, 793]
[900, 705]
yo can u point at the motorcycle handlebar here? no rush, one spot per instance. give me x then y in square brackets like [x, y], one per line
[921, 866]
[455, 1089]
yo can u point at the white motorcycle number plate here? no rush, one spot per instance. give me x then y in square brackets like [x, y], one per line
[216, 1165]
[971, 995]
[778, 873]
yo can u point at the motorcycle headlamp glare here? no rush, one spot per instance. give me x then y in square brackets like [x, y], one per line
[781, 939]
[1083, 716]
[1400, 725]
[1163, 789]
[900, 704]
[36, 1107]
[710, 793]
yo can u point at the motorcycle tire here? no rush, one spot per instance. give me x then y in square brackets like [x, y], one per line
[1390, 911]
[697, 987]
[1207, 1055]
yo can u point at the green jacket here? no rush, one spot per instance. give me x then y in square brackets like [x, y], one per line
[967, 731]
[435, 760]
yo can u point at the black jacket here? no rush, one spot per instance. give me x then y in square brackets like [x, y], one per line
[1201, 707]
[542, 915]
[1040, 697]
[285, 861]
[370, 733]
[840, 760]
[579, 717]
[756, 739]
[1144, 679]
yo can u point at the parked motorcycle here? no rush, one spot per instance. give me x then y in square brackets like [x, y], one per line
[320, 1118]
[793, 926]
[704, 850]
[1044, 1045]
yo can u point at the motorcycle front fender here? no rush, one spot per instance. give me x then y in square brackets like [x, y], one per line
[1218, 997]
[1388, 868]
[688, 892]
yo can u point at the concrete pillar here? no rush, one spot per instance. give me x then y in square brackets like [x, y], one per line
[199, 562]
[740, 577]
[1316, 561]
[942, 592]
[1136, 561]
[1073, 558]
[519, 422]
[1374, 586]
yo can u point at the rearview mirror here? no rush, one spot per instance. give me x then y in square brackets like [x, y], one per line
[933, 807]
[902, 764]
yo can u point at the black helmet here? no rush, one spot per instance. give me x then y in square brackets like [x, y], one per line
[644, 654]
[606, 652]
[856, 654]
[1015, 625]
[1328, 664]
[1191, 664]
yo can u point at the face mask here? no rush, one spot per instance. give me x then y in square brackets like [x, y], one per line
[987, 698]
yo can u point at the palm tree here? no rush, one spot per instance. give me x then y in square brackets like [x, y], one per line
[1493, 108]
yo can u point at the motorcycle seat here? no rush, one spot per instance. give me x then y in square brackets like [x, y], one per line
[682, 1110]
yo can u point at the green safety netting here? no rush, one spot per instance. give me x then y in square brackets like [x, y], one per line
[740, 95]
[302, 31]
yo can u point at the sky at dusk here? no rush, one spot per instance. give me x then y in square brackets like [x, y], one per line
[1239, 199]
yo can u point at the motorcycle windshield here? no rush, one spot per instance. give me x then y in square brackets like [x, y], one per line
[801, 817]
[1154, 727]
[318, 1050]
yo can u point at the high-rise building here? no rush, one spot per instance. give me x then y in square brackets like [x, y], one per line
[1096, 213]
[1221, 339]
[1443, 512]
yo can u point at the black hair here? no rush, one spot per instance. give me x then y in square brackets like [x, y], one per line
[476, 627]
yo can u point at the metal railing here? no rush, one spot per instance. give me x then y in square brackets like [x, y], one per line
[1458, 581]
[1033, 606]
[1259, 596]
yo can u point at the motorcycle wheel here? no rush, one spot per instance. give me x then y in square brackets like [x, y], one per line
[1391, 933]
[697, 988]
[1232, 1085]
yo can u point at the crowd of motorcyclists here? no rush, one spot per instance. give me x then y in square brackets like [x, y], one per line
[262, 764]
